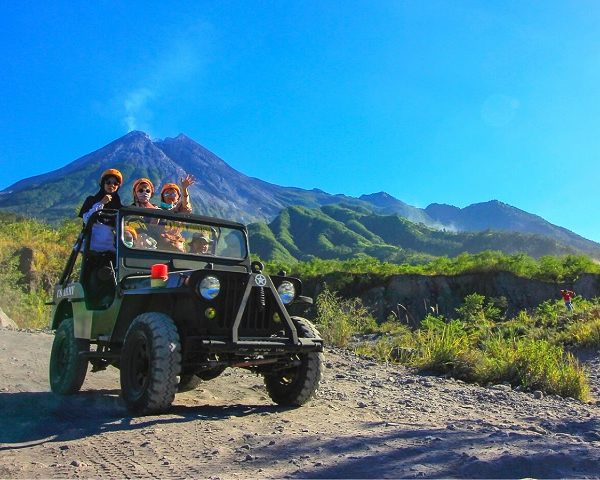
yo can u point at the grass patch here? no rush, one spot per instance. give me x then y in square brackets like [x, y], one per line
[440, 346]
[481, 346]
[533, 365]
[339, 319]
[585, 334]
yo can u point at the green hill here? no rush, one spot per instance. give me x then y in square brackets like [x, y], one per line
[343, 232]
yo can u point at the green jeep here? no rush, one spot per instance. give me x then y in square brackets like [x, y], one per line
[176, 304]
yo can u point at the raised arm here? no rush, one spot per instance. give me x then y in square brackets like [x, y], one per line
[186, 182]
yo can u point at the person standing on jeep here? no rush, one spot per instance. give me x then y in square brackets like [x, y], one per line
[143, 189]
[103, 237]
[172, 198]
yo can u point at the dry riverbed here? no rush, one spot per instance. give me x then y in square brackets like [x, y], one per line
[367, 421]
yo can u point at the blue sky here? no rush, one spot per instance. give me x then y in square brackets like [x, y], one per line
[430, 101]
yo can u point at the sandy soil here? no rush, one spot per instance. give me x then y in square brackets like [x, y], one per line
[368, 421]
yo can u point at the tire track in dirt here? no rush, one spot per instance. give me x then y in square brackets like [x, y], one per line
[367, 421]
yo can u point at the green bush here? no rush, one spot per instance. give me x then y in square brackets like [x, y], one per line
[338, 319]
[534, 365]
[525, 351]
[21, 299]
[397, 343]
[477, 315]
[583, 333]
[520, 325]
[394, 326]
[440, 345]
[548, 268]
[27, 309]
[548, 313]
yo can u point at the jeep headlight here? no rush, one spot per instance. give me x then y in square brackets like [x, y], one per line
[286, 292]
[209, 287]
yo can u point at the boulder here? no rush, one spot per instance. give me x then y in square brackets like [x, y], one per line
[6, 321]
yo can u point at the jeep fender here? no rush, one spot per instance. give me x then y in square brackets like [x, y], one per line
[62, 311]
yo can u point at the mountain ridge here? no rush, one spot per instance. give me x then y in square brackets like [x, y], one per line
[225, 192]
[339, 232]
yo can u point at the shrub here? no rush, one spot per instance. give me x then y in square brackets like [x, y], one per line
[585, 333]
[22, 299]
[534, 365]
[440, 346]
[520, 325]
[338, 319]
[479, 315]
[26, 308]
[525, 351]
[394, 326]
[547, 313]
[398, 347]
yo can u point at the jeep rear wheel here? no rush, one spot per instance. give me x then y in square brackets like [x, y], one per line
[296, 385]
[150, 363]
[67, 366]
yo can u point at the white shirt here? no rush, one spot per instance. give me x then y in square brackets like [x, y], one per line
[103, 236]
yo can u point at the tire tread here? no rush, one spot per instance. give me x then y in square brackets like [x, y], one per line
[311, 372]
[165, 364]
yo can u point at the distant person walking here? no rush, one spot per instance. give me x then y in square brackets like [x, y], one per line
[567, 296]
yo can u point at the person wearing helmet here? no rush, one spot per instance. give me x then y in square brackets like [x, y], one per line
[107, 198]
[143, 189]
[173, 199]
[98, 266]
[130, 236]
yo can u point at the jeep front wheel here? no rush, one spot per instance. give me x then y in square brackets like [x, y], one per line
[296, 385]
[67, 366]
[150, 363]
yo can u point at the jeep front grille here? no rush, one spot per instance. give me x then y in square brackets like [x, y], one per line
[257, 320]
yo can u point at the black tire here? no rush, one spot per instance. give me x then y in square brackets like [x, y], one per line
[297, 385]
[150, 363]
[188, 382]
[206, 375]
[192, 381]
[67, 366]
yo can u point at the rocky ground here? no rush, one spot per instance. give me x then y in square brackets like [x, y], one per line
[367, 421]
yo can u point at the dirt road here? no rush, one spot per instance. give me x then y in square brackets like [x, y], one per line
[368, 421]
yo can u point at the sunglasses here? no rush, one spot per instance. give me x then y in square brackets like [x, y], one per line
[112, 182]
[144, 190]
[170, 194]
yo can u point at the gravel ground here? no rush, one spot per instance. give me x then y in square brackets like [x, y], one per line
[367, 421]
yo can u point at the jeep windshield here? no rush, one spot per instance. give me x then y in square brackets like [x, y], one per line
[139, 232]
